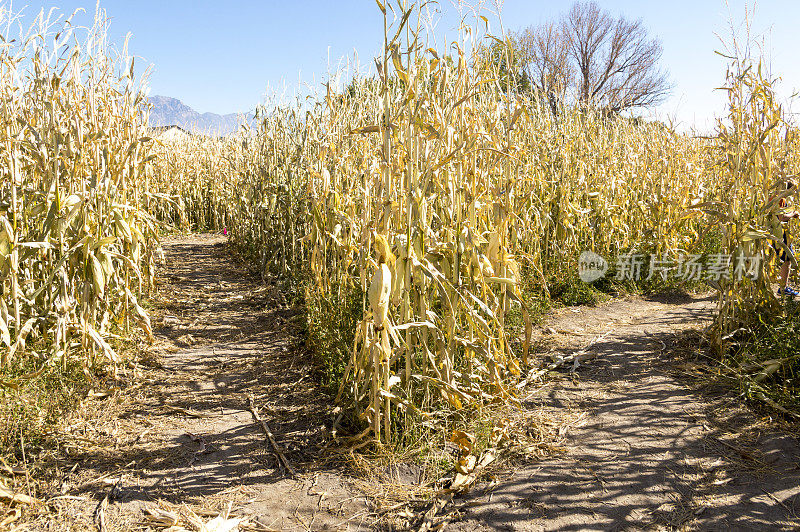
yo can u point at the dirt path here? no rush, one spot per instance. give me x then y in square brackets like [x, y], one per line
[185, 435]
[653, 451]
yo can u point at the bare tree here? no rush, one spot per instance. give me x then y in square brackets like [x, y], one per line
[546, 61]
[603, 62]
[615, 60]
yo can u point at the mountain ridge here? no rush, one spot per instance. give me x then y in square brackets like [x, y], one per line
[169, 111]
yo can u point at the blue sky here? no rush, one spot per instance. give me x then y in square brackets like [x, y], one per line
[222, 56]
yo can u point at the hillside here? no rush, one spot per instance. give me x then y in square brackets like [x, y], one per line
[169, 111]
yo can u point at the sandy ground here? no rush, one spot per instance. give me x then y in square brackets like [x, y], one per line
[655, 451]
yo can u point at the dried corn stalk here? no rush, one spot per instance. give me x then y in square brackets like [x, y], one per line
[76, 246]
[471, 188]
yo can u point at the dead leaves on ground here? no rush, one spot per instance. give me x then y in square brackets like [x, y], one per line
[185, 520]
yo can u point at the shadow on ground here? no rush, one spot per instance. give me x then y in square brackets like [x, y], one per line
[654, 452]
[185, 434]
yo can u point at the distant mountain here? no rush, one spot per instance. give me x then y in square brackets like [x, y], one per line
[168, 111]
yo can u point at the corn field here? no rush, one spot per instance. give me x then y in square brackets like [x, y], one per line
[183, 186]
[756, 153]
[430, 196]
[76, 247]
[427, 193]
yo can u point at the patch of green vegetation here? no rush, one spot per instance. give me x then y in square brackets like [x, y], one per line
[34, 401]
[431, 445]
[768, 360]
[331, 323]
[573, 292]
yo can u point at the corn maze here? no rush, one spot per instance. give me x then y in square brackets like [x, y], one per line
[431, 195]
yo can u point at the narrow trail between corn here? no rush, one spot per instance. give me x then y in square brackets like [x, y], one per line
[655, 449]
[184, 438]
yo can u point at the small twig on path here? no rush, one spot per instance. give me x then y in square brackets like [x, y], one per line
[774, 498]
[66, 497]
[577, 357]
[743, 453]
[275, 447]
[659, 340]
[186, 412]
[100, 511]
[100, 514]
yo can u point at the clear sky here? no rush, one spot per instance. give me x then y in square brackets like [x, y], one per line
[221, 56]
